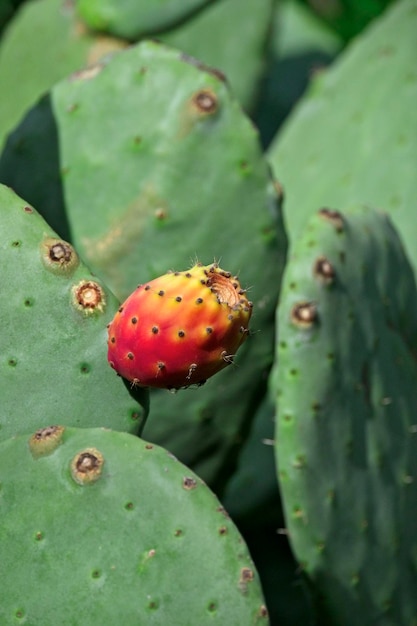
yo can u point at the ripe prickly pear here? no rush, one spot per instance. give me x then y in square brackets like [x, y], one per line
[179, 329]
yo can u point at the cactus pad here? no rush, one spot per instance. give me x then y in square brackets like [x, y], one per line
[59, 36]
[342, 147]
[100, 527]
[169, 168]
[53, 344]
[346, 390]
[131, 19]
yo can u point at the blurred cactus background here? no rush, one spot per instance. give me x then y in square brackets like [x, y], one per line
[276, 139]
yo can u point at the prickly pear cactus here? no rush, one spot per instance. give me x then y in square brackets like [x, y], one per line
[300, 45]
[165, 151]
[179, 329]
[348, 17]
[130, 189]
[342, 146]
[7, 10]
[251, 496]
[53, 342]
[242, 46]
[155, 181]
[131, 19]
[114, 530]
[346, 444]
[59, 36]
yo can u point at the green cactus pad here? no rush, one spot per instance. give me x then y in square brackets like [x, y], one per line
[348, 17]
[178, 172]
[158, 165]
[251, 495]
[242, 46]
[351, 140]
[108, 529]
[131, 19]
[53, 364]
[346, 391]
[58, 36]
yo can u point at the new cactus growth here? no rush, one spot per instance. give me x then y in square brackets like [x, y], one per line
[179, 329]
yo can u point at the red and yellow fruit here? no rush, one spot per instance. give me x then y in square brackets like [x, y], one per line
[179, 329]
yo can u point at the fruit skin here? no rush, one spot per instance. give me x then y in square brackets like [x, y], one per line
[345, 385]
[179, 329]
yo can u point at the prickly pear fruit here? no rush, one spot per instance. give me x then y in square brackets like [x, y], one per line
[179, 329]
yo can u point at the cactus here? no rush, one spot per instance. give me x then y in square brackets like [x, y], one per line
[300, 45]
[7, 10]
[345, 386]
[341, 146]
[348, 17]
[243, 46]
[128, 194]
[252, 499]
[143, 162]
[53, 344]
[59, 36]
[131, 20]
[251, 495]
[114, 530]
[179, 329]
[149, 202]
[62, 35]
